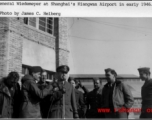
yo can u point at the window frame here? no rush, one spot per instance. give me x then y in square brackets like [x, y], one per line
[38, 24]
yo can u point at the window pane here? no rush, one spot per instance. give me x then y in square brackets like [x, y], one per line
[41, 23]
[42, 19]
[50, 18]
[49, 31]
[32, 22]
[32, 19]
[23, 70]
[49, 21]
[42, 28]
[49, 26]
[26, 21]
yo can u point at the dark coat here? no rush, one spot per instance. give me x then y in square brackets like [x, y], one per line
[66, 100]
[122, 96]
[80, 103]
[45, 102]
[93, 102]
[31, 97]
[146, 95]
[16, 101]
[6, 101]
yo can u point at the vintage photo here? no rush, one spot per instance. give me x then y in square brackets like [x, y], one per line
[75, 67]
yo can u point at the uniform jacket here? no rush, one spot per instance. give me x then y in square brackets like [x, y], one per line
[6, 99]
[64, 105]
[146, 95]
[122, 96]
[31, 97]
[80, 101]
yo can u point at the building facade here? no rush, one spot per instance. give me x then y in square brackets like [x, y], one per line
[26, 42]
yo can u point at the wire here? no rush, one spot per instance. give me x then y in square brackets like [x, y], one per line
[115, 25]
[71, 25]
[105, 39]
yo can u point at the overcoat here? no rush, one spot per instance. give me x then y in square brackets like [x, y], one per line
[93, 102]
[6, 108]
[31, 97]
[64, 105]
[80, 101]
[146, 95]
[122, 96]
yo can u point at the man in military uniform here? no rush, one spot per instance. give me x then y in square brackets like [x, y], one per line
[79, 99]
[116, 96]
[86, 91]
[146, 93]
[93, 100]
[64, 105]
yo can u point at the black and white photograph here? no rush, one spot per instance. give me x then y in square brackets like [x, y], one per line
[75, 67]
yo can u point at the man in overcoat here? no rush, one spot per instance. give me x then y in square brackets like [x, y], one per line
[79, 99]
[116, 96]
[65, 105]
[146, 93]
[32, 95]
[7, 91]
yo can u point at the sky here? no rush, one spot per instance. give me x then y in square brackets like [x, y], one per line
[124, 44]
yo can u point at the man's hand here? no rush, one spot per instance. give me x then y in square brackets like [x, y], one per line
[80, 84]
[56, 89]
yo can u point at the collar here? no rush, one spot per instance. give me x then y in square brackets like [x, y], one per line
[4, 89]
[117, 82]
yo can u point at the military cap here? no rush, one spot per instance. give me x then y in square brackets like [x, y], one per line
[144, 69]
[110, 70]
[63, 68]
[35, 69]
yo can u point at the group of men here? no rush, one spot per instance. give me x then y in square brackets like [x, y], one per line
[62, 98]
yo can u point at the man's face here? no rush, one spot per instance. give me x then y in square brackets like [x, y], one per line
[44, 76]
[12, 82]
[143, 76]
[77, 84]
[63, 76]
[37, 76]
[110, 77]
[73, 83]
[96, 84]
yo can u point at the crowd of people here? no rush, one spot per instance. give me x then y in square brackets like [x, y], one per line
[38, 97]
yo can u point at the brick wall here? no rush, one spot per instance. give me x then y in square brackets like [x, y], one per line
[3, 46]
[12, 33]
[61, 33]
[11, 45]
[37, 36]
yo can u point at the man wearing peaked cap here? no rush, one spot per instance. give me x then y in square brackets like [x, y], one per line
[111, 70]
[146, 92]
[35, 69]
[116, 95]
[144, 73]
[63, 68]
[65, 105]
[32, 95]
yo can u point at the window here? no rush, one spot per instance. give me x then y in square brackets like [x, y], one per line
[43, 23]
